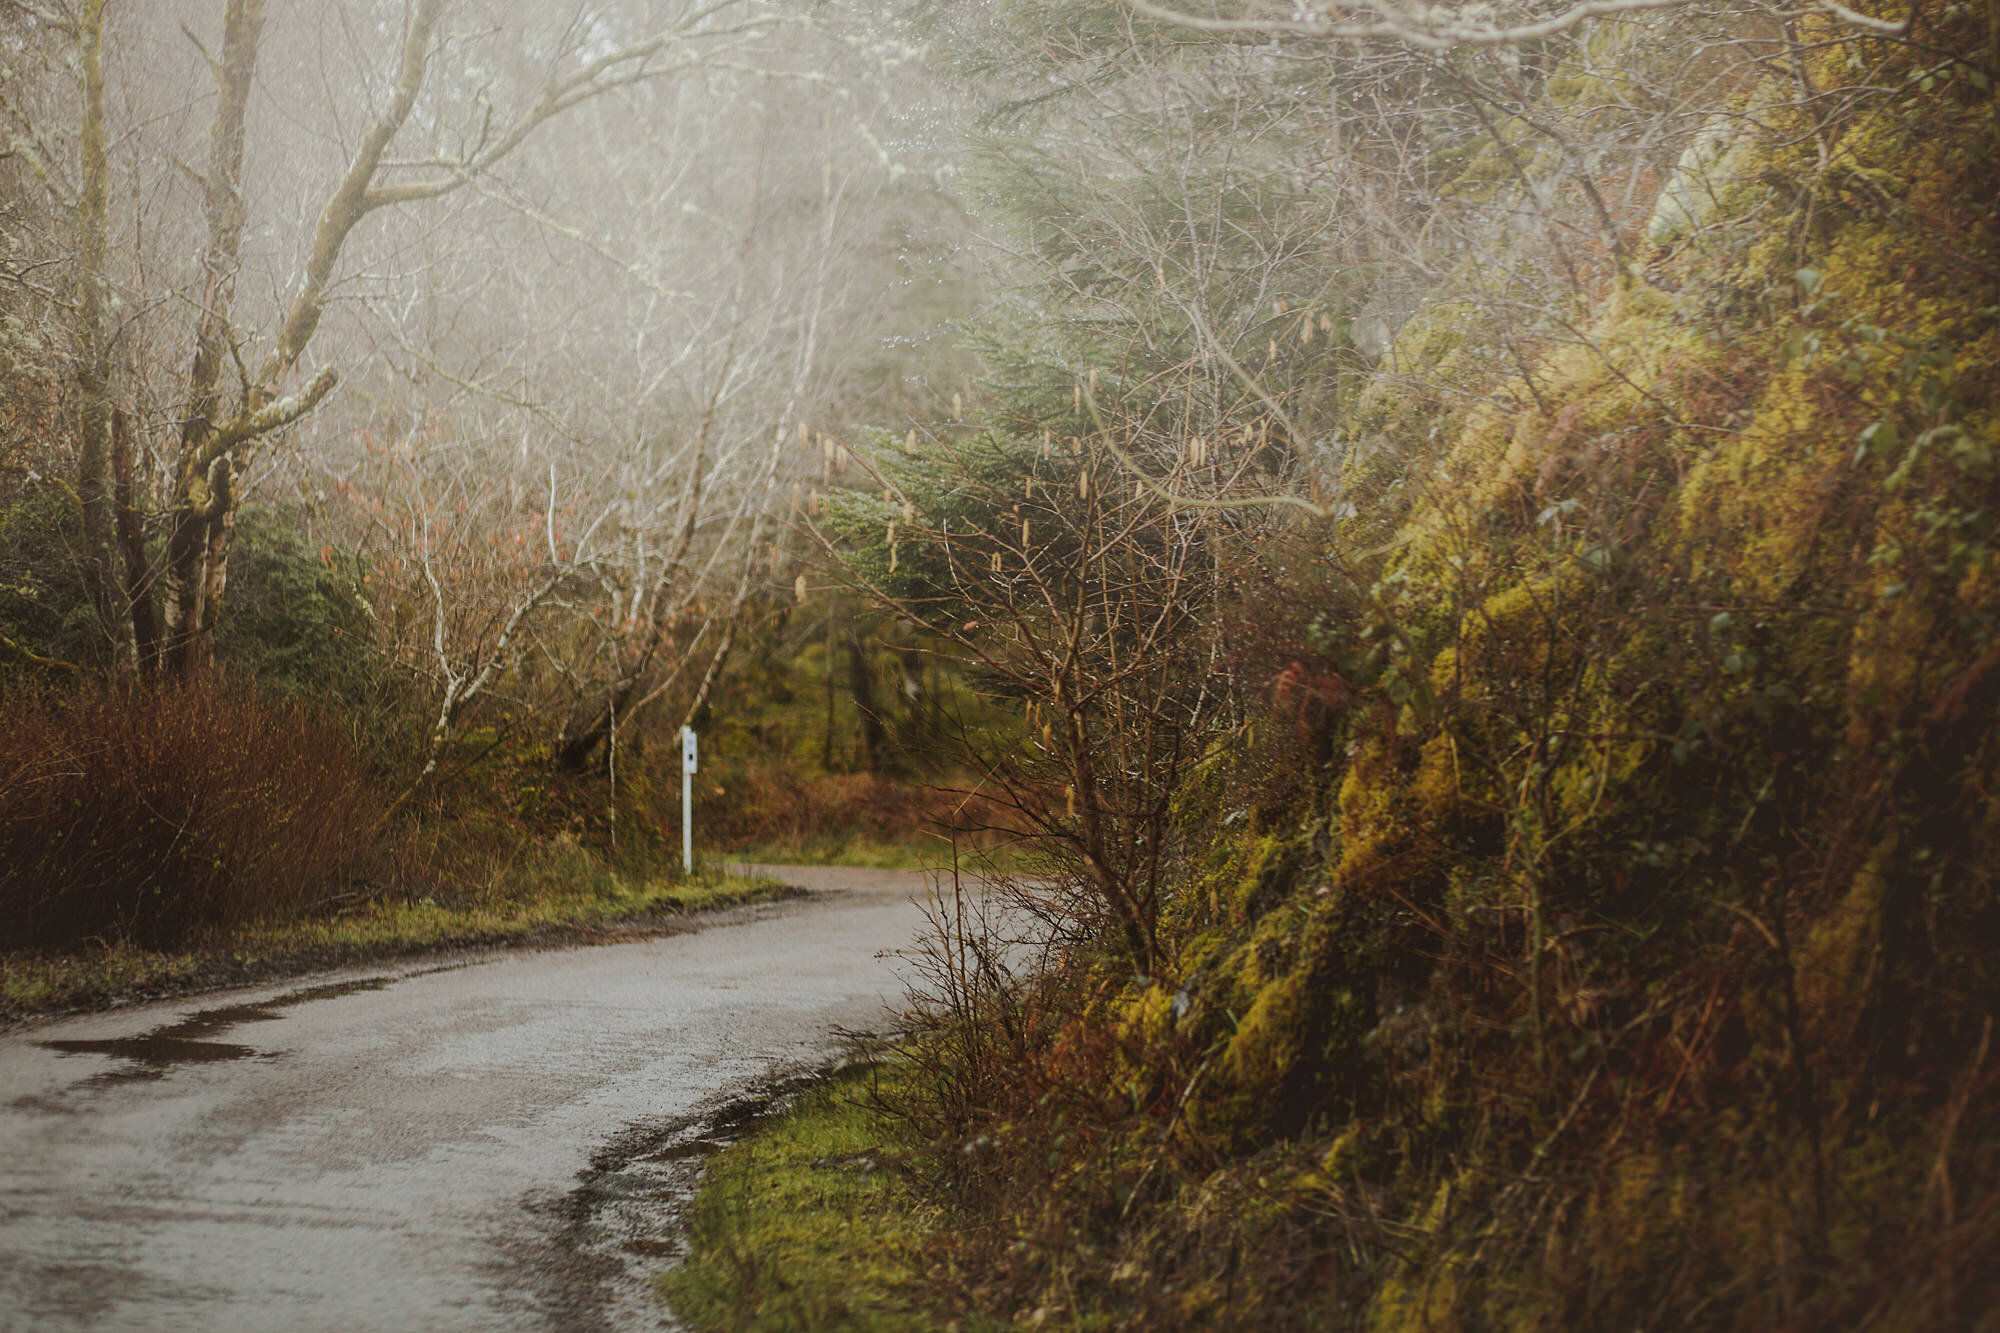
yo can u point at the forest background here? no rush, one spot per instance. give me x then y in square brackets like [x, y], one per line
[1444, 556]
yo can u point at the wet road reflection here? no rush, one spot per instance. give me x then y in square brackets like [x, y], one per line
[472, 1146]
[151, 1054]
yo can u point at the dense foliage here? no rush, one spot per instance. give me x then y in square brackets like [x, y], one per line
[1588, 923]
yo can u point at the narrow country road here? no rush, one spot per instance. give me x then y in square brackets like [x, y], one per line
[422, 1146]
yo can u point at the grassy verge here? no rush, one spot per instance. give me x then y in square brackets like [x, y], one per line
[866, 853]
[844, 851]
[591, 902]
[803, 1226]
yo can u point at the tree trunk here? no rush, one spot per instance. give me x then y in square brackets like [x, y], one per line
[132, 542]
[861, 689]
[93, 350]
[204, 504]
[576, 751]
[204, 525]
[203, 522]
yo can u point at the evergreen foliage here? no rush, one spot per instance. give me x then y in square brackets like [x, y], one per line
[296, 618]
[45, 612]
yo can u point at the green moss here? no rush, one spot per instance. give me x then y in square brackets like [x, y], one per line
[803, 1226]
[1265, 1047]
[1837, 956]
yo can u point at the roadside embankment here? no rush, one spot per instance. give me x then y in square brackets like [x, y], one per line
[604, 907]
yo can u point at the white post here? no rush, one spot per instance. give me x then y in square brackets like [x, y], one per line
[687, 799]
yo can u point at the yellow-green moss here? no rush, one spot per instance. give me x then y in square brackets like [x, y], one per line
[1835, 958]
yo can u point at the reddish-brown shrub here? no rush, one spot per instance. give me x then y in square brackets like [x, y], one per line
[152, 813]
[770, 807]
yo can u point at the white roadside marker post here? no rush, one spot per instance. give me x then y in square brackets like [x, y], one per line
[687, 799]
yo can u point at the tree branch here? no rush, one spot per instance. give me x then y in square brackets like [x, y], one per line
[1432, 35]
[272, 416]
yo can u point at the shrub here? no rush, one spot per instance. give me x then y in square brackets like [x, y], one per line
[772, 808]
[294, 617]
[44, 610]
[154, 813]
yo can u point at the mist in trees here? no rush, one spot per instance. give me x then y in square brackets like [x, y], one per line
[516, 317]
[1452, 546]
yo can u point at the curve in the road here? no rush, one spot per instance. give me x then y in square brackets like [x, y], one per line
[414, 1148]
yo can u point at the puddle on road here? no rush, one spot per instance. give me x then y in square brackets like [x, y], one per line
[600, 1245]
[150, 1055]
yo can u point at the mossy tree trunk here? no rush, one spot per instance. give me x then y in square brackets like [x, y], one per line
[203, 507]
[93, 345]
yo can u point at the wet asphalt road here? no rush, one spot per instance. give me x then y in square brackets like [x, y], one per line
[438, 1145]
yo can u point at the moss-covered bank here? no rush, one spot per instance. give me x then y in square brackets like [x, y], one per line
[1619, 951]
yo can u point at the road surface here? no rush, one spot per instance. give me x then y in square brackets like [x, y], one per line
[464, 1143]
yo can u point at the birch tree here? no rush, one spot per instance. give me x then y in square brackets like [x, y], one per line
[661, 349]
[203, 500]
[252, 371]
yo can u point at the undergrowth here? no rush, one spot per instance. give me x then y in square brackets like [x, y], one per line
[153, 813]
[757, 811]
[1597, 933]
